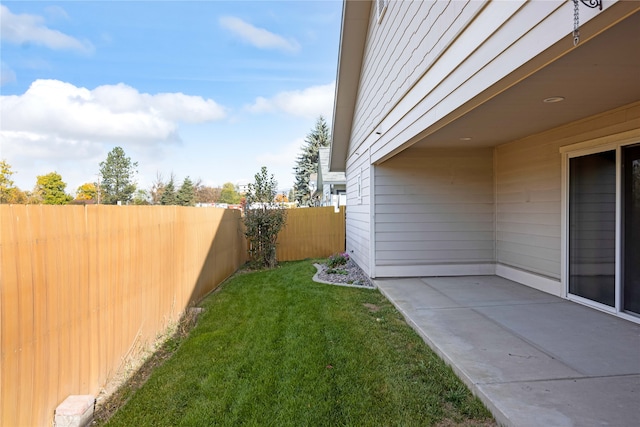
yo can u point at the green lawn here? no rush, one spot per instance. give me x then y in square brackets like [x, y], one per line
[274, 348]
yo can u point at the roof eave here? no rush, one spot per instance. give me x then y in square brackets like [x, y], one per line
[353, 35]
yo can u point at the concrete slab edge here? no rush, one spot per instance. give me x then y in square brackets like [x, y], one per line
[476, 389]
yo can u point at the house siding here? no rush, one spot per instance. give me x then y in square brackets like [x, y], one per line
[529, 190]
[528, 178]
[358, 221]
[413, 38]
[435, 206]
[502, 205]
[482, 49]
[425, 64]
[399, 50]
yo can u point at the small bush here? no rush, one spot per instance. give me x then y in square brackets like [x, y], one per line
[337, 260]
[263, 220]
[262, 228]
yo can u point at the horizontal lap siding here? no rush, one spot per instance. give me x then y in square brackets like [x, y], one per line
[399, 50]
[528, 190]
[528, 207]
[435, 206]
[358, 223]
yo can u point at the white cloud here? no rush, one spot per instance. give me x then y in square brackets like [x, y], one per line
[258, 37]
[57, 119]
[309, 102]
[37, 146]
[25, 29]
[7, 75]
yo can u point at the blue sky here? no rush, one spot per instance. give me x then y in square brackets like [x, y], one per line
[212, 90]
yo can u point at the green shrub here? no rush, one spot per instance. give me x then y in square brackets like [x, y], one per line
[338, 259]
[263, 220]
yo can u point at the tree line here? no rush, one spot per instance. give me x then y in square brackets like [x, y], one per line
[116, 184]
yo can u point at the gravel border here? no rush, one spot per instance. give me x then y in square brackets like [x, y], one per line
[354, 277]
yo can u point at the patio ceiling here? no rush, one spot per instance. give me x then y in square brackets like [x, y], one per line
[599, 75]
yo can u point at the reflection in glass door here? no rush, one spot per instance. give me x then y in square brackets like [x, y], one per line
[631, 229]
[592, 227]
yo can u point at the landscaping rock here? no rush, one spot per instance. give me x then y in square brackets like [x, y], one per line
[353, 275]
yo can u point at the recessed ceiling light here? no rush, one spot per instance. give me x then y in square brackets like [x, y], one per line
[553, 99]
[465, 138]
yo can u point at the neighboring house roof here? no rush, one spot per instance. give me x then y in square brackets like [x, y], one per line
[353, 35]
[324, 175]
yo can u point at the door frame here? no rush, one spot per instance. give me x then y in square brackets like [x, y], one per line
[610, 142]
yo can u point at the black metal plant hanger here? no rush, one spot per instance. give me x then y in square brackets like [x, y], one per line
[576, 17]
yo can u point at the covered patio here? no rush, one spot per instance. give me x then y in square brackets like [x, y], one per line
[533, 358]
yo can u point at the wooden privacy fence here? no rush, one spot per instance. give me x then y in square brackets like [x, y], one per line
[311, 233]
[83, 286]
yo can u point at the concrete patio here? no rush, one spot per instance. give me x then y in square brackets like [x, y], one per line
[532, 358]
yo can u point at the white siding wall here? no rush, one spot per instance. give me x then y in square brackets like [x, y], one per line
[435, 207]
[528, 207]
[399, 50]
[528, 191]
[427, 63]
[358, 224]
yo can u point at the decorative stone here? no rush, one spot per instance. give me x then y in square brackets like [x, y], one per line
[75, 411]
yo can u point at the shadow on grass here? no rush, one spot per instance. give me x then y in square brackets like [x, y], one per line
[107, 405]
[126, 383]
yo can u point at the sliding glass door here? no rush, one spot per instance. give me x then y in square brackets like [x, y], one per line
[592, 227]
[604, 241]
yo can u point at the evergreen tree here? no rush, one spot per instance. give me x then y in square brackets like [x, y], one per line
[307, 162]
[118, 175]
[186, 195]
[168, 196]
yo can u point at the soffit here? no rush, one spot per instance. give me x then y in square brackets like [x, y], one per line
[599, 75]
